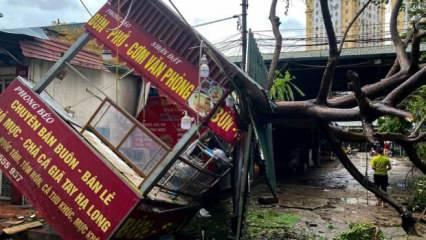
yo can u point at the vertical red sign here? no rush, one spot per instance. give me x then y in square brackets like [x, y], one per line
[78, 194]
[175, 76]
[163, 119]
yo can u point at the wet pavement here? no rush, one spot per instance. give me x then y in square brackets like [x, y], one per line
[327, 199]
[319, 205]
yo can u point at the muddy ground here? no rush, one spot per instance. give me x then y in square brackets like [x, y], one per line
[318, 205]
[327, 199]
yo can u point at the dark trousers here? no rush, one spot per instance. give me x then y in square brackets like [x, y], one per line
[381, 181]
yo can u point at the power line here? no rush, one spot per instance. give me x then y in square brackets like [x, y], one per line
[85, 7]
[304, 29]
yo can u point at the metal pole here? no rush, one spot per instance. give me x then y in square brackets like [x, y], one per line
[244, 6]
[243, 184]
[366, 165]
[59, 65]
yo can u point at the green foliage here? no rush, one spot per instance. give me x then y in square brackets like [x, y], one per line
[272, 224]
[271, 219]
[283, 89]
[393, 125]
[419, 201]
[421, 150]
[417, 8]
[416, 104]
[362, 231]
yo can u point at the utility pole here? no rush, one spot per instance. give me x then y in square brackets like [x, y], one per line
[244, 6]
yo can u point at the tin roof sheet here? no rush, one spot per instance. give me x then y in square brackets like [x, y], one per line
[53, 50]
[31, 32]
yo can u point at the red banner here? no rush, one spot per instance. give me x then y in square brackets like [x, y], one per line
[77, 193]
[174, 75]
[163, 119]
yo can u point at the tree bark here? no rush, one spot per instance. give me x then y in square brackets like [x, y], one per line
[396, 39]
[411, 151]
[275, 22]
[328, 75]
[410, 85]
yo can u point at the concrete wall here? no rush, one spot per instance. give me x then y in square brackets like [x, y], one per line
[72, 90]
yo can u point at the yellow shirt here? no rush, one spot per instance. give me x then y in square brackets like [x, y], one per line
[380, 165]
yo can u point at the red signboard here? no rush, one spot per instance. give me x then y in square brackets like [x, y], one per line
[174, 75]
[163, 119]
[77, 193]
[152, 219]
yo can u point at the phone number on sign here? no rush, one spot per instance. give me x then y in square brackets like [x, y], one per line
[12, 171]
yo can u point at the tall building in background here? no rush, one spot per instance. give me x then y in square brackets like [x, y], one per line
[403, 17]
[369, 30]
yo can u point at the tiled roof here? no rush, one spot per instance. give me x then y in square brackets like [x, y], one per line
[53, 50]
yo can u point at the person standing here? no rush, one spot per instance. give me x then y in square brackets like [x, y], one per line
[380, 163]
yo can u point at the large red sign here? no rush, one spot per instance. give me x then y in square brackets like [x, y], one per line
[78, 194]
[174, 75]
[163, 119]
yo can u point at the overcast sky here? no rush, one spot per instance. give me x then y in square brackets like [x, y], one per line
[31, 13]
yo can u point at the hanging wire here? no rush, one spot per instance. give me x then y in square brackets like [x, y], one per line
[85, 7]
[125, 18]
[178, 12]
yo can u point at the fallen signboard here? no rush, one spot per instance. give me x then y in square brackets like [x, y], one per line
[73, 188]
[176, 76]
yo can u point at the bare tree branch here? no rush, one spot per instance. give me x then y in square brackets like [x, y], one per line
[418, 127]
[415, 49]
[406, 88]
[396, 39]
[275, 22]
[372, 91]
[408, 222]
[364, 106]
[352, 23]
[313, 110]
[349, 136]
[328, 75]
[411, 151]
[384, 109]
[395, 67]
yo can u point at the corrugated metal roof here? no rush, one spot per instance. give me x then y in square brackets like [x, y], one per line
[31, 32]
[256, 67]
[53, 50]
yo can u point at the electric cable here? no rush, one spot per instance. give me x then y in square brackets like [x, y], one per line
[86, 8]
[125, 18]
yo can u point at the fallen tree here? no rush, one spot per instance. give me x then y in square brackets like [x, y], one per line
[366, 103]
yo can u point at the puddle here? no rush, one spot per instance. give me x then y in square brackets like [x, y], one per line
[355, 201]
